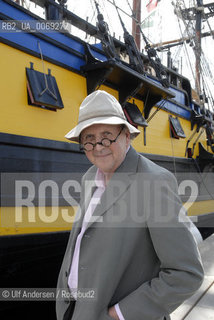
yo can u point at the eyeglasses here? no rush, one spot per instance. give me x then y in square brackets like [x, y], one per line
[105, 142]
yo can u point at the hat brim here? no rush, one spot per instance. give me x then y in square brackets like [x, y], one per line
[74, 134]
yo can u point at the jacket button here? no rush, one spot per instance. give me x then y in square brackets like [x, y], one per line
[66, 274]
[67, 301]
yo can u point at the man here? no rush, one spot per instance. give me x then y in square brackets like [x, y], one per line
[127, 245]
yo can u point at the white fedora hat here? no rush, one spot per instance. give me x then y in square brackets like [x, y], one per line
[100, 107]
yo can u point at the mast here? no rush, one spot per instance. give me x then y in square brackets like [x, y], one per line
[199, 12]
[135, 22]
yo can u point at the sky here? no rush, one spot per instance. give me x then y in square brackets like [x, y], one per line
[166, 27]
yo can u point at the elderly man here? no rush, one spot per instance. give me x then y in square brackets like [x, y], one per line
[128, 246]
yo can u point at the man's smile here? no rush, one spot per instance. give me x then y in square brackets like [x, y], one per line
[102, 155]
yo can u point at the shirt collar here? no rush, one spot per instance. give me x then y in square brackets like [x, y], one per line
[100, 179]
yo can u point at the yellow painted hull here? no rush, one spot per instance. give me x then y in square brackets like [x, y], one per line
[55, 219]
[17, 117]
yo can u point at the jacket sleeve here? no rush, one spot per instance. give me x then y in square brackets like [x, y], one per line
[181, 271]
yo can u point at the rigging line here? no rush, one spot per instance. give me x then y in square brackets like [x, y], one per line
[188, 26]
[185, 48]
[161, 74]
[205, 62]
[177, 53]
[208, 71]
[205, 82]
[94, 12]
[205, 67]
[202, 178]
[178, 10]
[130, 7]
[74, 7]
[211, 31]
[112, 2]
[210, 99]
[45, 77]
[207, 92]
[190, 139]
[196, 140]
[138, 23]
[158, 109]
[133, 17]
[209, 96]
[209, 26]
[92, 17]
[109, 20]
[27, 5]
[173, 155]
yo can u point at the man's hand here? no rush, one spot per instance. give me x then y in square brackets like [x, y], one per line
[112, 313]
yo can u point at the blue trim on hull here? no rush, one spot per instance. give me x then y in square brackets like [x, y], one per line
[175, 109]
[49, 50]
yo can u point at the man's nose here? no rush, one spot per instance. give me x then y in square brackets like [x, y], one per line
[99, 147]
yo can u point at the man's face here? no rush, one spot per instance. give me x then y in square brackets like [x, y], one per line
[107, 159]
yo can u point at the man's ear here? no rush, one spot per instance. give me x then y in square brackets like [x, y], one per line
[128, 136]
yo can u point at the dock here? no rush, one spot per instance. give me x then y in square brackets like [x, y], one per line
[201, 305]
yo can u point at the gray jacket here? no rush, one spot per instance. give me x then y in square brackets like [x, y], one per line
[136, 251]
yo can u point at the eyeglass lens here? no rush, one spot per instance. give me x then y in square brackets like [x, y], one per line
[105, 142]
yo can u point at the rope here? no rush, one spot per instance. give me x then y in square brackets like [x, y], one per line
[173, 155]
[121, 9]
[185, 48]
[130, 7]
[202, 179]
[109, 19]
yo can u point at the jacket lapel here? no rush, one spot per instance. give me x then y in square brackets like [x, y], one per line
[77, 225]
[121, 180]
[85, 200]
